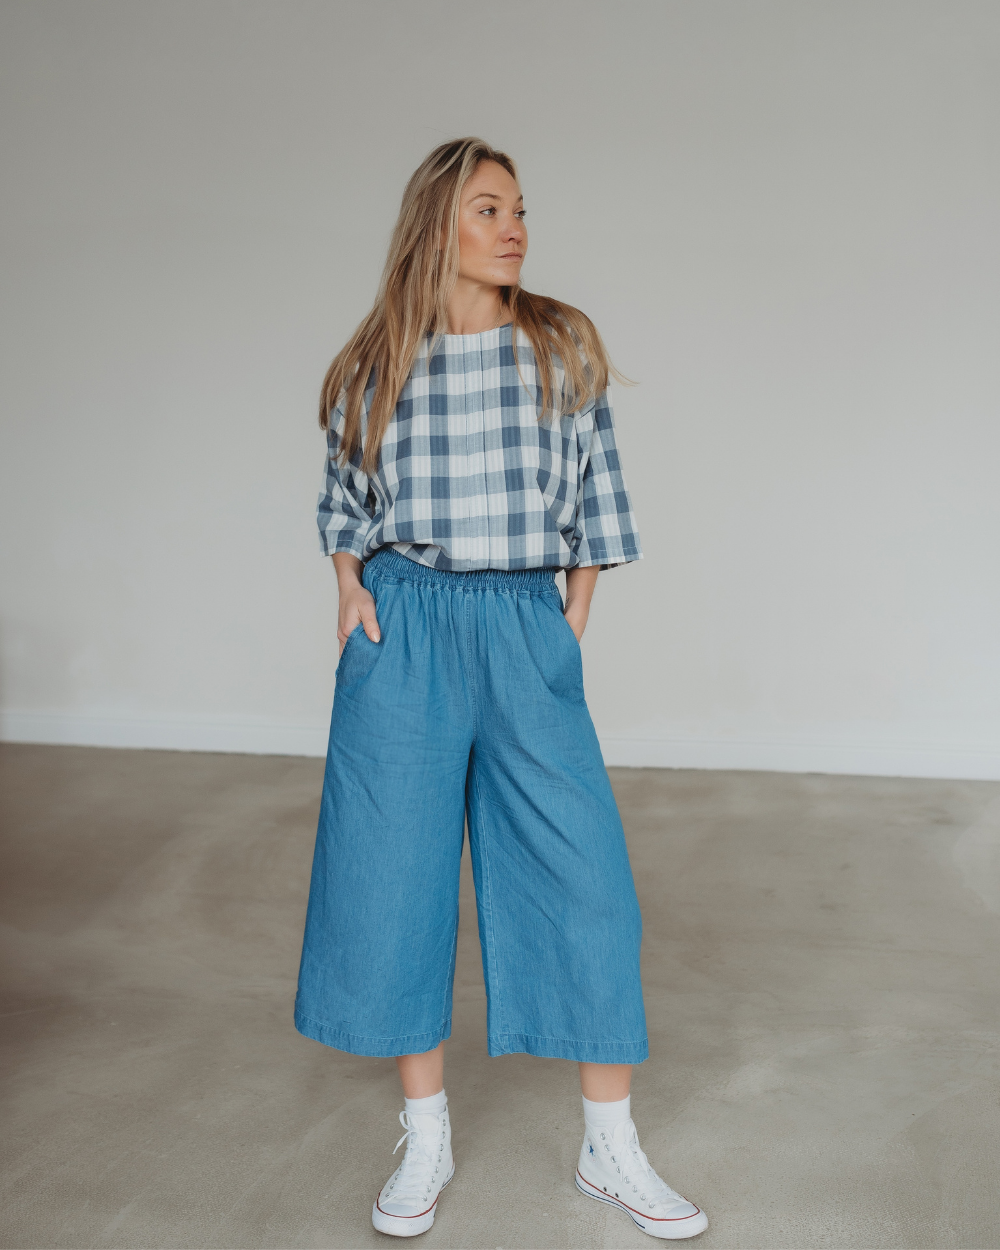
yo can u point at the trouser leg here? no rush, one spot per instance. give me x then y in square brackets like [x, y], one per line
[560, 925]
[379, 948]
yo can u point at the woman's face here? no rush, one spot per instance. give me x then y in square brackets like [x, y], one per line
[492, 238]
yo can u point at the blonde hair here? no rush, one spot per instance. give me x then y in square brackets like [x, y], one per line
[412, 302]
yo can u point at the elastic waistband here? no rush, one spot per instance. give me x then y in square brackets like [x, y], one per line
[388, 562]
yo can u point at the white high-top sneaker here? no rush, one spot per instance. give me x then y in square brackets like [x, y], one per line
[614, 1169]
[407, 1201]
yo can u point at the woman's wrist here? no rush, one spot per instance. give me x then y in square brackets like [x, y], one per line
[580, 586]
[348, 568]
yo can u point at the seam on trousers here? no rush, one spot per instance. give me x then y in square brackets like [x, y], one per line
[366, 1037]
[517, 593]
[465, 616]
[573, 1041]
[450, 979]
[579, 1052]
[404, 1039]
[488, 896]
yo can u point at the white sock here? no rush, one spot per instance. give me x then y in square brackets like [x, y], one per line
[432, 1105]
[607, 1114]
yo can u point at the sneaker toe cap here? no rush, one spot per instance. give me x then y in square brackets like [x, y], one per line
[401, 1210]
[679, 1211]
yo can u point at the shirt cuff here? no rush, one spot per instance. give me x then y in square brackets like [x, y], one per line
[607, 564]
[351, 541]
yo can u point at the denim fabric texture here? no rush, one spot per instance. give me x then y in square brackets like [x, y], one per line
[472, 704]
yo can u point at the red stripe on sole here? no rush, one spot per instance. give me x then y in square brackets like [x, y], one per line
[660, 1219]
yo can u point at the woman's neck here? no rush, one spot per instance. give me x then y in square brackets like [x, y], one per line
[473, 308]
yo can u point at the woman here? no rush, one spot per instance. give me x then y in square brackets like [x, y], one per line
[472, 456]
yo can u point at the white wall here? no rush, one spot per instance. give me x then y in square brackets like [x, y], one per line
[783, 216]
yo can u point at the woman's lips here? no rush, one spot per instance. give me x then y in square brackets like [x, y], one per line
[511, 256]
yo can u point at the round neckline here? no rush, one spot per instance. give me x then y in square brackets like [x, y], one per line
[478, 333]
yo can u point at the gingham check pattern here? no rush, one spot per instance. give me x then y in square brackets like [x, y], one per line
[469, 478]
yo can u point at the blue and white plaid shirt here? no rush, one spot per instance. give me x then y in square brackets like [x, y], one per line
[469, 478]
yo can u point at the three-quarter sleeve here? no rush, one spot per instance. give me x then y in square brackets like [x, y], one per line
[606, 529]
[344, 513]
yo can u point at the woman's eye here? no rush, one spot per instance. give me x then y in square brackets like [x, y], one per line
[520, 213]
[492, 211]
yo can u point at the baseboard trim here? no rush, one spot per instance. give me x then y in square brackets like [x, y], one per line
[947, 763]
[237, 737]
[271, 737]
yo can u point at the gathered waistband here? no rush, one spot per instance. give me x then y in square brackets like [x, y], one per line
[388, 562]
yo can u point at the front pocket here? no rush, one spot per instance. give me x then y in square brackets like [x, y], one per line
[350, 638]
[559, 656]
[569, 628]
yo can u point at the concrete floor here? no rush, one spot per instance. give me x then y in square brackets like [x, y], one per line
[821, 970]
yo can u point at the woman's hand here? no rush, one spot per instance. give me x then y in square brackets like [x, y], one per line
[577, 618]
[356, 603]
[580, 585]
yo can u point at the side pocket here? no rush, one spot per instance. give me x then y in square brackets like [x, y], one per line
[350, 638]
[569, 629]
[560, 661]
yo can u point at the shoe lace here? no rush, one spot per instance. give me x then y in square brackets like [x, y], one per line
[637, 1170]
[414, 1178]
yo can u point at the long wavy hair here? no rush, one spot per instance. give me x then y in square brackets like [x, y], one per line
[412, 301]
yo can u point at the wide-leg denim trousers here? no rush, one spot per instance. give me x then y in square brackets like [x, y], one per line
[471, 706]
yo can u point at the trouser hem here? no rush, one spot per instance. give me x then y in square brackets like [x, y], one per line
[374, 1047]
[565, 1048]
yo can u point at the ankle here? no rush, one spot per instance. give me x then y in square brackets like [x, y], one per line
[434, 1104]
[607, 1114]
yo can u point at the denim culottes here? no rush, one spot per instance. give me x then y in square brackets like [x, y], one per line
[470, 706]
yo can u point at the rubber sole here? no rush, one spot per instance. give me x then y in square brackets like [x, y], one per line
[407, 1225]
[668, 1230]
